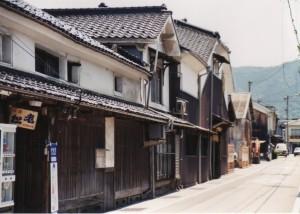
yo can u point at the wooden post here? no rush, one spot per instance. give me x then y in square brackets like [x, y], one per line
[199, 160]
[152, 170]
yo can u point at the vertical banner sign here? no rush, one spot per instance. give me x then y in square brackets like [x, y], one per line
[53, 177]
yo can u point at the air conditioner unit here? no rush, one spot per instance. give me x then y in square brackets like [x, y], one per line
[181, 107]
[156, 132]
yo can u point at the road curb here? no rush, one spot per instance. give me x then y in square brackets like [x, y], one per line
[296, 208]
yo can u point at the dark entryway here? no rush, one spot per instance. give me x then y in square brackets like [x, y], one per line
[216, 160]
[31, 188]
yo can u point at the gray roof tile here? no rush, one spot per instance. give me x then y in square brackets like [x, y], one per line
[116, 23]
[201, 42]
[64, 28]
[47, 87]
[41, 86]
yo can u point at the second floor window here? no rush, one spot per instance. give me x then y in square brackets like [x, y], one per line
[157, 82]
[295, 134]
[118, 84]
[46, 63]
[73, 72]
[5, 49]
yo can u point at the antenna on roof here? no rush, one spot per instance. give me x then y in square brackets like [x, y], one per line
[102, 4]
[185, 20]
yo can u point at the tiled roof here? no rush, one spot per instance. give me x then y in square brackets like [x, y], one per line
[197, 40]
[46, 87]
[180, 122]
[116, 23]
[241, 103]
[42, 86]
[65, 29]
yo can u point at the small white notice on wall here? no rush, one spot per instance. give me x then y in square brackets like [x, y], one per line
[54, 187]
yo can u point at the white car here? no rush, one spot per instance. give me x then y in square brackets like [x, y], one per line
[281, 149]
[297, 151]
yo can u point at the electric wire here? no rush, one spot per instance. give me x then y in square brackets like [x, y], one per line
[33, 55]
[294, 25]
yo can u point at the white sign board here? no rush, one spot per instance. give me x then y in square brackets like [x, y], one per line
[54, 187]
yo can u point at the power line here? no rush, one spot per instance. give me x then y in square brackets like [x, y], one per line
[33, 55]
[294, 25]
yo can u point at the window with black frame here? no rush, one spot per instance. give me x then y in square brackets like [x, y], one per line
[165, 160]
[157, 79]
[46, 63]
[5, 49]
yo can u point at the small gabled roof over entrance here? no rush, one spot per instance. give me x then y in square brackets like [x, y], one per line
[242, 104]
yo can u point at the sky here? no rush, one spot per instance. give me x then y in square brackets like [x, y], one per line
[258, 32]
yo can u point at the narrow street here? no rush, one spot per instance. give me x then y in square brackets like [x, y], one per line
[268, 187]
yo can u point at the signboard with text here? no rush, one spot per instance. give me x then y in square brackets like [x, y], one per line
[52, 149]
[23, 118]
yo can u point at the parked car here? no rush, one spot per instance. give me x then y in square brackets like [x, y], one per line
[281, 149]
[297, 151]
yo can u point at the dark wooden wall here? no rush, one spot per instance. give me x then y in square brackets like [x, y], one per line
[205, 158]
[174, 86]
[190, 161]
[132, 162]
[260, 129]
[219, 104]
[79, 182]
[224, 153]
[219, 109]
[31, 191]
[192, 108]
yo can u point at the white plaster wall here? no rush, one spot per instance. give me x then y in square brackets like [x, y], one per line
[96, 78]
[166, 88]
[189, 80]
[22, 59]
[132, 90]
[96, 70]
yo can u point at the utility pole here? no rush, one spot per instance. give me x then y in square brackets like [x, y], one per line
[287, 121]
[250, 85]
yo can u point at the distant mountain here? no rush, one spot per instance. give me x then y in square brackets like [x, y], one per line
[271, 85]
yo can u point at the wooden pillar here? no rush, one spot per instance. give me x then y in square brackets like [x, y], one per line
[152, 170]
[109, 164]
[199, 159]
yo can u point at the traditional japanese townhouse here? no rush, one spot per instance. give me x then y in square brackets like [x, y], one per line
[241, 132]
[293, 137]
[204, 62]
[68, 92]
[264, 127]
[147, 33]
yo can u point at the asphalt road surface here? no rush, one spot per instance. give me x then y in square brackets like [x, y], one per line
[267, 187]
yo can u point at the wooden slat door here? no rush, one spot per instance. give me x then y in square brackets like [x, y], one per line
[132, 161]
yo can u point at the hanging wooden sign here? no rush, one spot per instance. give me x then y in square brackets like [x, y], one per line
[23, 118]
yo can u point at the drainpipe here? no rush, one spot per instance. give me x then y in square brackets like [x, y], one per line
[200, 136]
[211, 120]
[152, 148]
